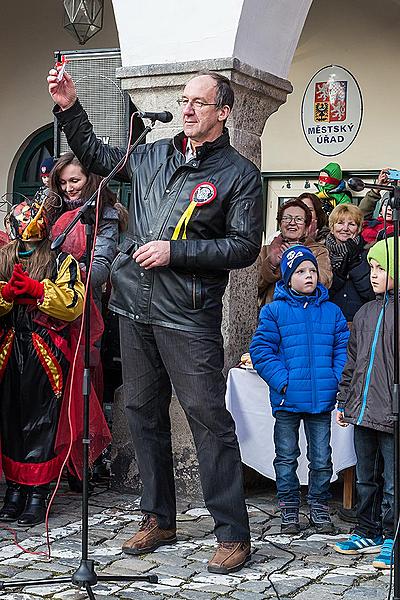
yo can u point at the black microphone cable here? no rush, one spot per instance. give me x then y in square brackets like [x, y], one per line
[291, 553]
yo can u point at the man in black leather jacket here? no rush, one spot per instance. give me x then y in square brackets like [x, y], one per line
[195, 213]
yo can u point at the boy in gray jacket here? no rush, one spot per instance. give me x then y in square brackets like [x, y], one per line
[365, 399]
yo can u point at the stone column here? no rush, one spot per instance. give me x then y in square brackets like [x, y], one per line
[257, 96]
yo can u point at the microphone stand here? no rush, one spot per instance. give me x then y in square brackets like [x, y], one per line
[396, 395]
[85, 575]
[358, 185]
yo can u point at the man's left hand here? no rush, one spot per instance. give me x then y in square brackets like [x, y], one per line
[153, 254]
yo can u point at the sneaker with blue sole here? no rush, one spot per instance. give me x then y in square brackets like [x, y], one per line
[357, 544]
[385, 558]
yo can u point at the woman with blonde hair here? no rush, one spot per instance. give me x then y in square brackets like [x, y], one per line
[351, 286]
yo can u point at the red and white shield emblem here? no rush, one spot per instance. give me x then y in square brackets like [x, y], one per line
[203, 193]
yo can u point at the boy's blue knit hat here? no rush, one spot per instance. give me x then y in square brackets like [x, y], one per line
[46, 166]
[292, 258]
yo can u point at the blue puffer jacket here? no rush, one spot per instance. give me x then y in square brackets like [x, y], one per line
[300, 343]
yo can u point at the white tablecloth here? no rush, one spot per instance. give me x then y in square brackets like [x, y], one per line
[247, 398]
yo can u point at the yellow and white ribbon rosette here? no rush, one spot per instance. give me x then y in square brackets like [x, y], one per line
[202, 194]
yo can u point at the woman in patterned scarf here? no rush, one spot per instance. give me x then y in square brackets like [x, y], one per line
[351, 286]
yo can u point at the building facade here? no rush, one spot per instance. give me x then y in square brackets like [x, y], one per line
[270, 50]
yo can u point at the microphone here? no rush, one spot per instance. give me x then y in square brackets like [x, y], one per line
[163, 117]
[357, 185]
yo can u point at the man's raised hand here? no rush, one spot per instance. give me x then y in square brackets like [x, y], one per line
[63, 92]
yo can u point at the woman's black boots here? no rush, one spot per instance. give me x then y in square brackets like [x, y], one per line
[35, 507]
[14, 502]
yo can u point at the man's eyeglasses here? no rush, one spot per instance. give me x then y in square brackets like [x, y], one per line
[289, 219]
[196, 104]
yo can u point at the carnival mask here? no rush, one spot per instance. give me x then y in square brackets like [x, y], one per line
[28, 221]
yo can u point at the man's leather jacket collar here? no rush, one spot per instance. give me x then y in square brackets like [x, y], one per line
[201, 151]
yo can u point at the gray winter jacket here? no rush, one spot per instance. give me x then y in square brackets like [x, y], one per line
[366, 388]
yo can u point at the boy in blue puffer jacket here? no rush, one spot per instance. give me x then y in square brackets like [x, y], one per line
[299, 349]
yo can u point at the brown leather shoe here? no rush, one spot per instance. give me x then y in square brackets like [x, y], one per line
[149, 537]
[229, 557]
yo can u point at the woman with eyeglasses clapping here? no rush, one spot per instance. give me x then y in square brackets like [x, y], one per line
[294, 220]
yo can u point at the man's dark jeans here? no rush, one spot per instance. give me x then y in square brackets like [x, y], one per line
[375, 482]
[286, 437]
[153, 357]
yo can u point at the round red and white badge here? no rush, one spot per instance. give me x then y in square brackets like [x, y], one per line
[203, 193]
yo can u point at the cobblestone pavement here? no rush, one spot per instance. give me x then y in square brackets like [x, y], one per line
[316, 572]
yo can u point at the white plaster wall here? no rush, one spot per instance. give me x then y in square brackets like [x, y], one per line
[362, 36]
[268, 33]
[263, 33]
[159, 32]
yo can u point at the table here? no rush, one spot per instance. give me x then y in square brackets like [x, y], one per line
[247, 399]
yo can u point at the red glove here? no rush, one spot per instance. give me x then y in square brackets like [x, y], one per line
[8, 292]
[25, 286]
[19, 275]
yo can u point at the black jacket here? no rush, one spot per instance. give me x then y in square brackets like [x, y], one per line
[352, 289]
[366, 387]
[221, 235]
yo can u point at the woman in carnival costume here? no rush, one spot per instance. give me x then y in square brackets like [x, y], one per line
[41, 298]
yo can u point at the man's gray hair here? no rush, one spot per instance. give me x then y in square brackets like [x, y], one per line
[224, 95]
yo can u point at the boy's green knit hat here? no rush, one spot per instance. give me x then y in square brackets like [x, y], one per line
[379, 253]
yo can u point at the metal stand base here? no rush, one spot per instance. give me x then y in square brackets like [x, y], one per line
[84, 577]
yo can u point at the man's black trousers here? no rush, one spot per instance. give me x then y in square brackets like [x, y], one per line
[153, 358]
